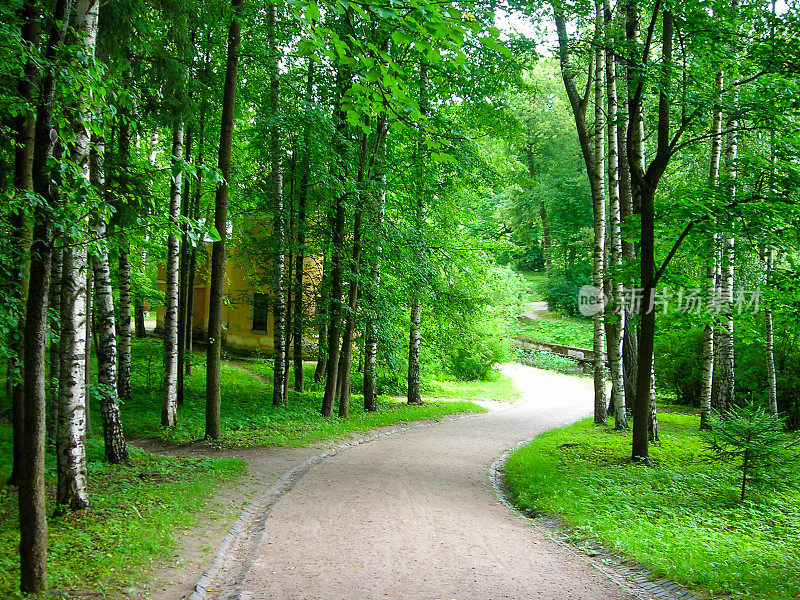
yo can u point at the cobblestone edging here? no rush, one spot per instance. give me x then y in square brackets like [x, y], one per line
[632, 577]
[226, 576]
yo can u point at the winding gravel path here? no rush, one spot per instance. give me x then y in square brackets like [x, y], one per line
[413, 515]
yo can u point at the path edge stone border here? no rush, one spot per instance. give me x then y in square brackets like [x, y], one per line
[632, 577]
[258, 509]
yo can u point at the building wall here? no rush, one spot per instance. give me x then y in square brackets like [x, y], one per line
[242, 282]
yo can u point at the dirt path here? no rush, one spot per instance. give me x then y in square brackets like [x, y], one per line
[411, 515]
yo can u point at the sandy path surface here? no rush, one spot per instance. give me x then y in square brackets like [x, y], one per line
[413, 515]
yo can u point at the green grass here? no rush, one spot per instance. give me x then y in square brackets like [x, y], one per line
[680, 518]
[248, 417]
[569, 331]
[536, 283]
[136, 510]
[498, 387]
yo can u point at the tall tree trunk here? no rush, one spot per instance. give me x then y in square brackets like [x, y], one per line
[629, 349]
[371, 336]
[707, 372]
[614, 326]
[72, 492]
[124, 273]
[31, 496]
[23, 164]
[346, 357]
[87, 378]
[593, 156]
[413, 390]
[278, 227]
[54, 300]
[599, 213]
[337, 255]
[169, 407]
[214, 352]
[116, 450]
[769, 342]
[646, 183]
[727, 380]
[183, 277]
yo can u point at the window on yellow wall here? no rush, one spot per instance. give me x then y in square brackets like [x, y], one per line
[260, 312]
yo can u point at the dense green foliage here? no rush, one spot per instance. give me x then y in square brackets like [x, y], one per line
[681, 518]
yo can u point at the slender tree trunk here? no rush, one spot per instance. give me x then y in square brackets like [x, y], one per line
[629, 349]
[614, 327]
[214, 352]
[644, 414]
[116, 449]
[727, 375]
[124, 274]
[169, 409]
[183, 278]
[593, 156]
[23, 164]
[72, 492]
[302, 196]
[772, 382]
[707, 372]
[345, 359]
[279, 227]
[371, 336]
[413, 390]
[31, 496]
[599, 210]
[55, 343]
[337, 256]
[87, 379]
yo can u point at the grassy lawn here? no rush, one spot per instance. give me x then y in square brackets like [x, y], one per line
[569, 331]
[498, 387]
[136, 510]
[248, 417]
[681, 518]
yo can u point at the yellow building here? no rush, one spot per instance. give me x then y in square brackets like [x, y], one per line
[247, 318]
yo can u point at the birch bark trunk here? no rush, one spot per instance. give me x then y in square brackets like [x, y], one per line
[614, 328]
[116, 449]
[72, 492]
[169, 406]
[278, 227]
[707, 372]
[413, 392]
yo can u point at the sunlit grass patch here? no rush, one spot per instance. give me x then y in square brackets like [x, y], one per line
[681, 518]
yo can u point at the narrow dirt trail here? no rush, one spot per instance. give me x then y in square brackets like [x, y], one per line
[413, 516]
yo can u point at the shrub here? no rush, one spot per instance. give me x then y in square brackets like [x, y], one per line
[561, 290]
[754, 442]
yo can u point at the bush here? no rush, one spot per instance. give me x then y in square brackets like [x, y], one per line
[475, 362]
[561, 291]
